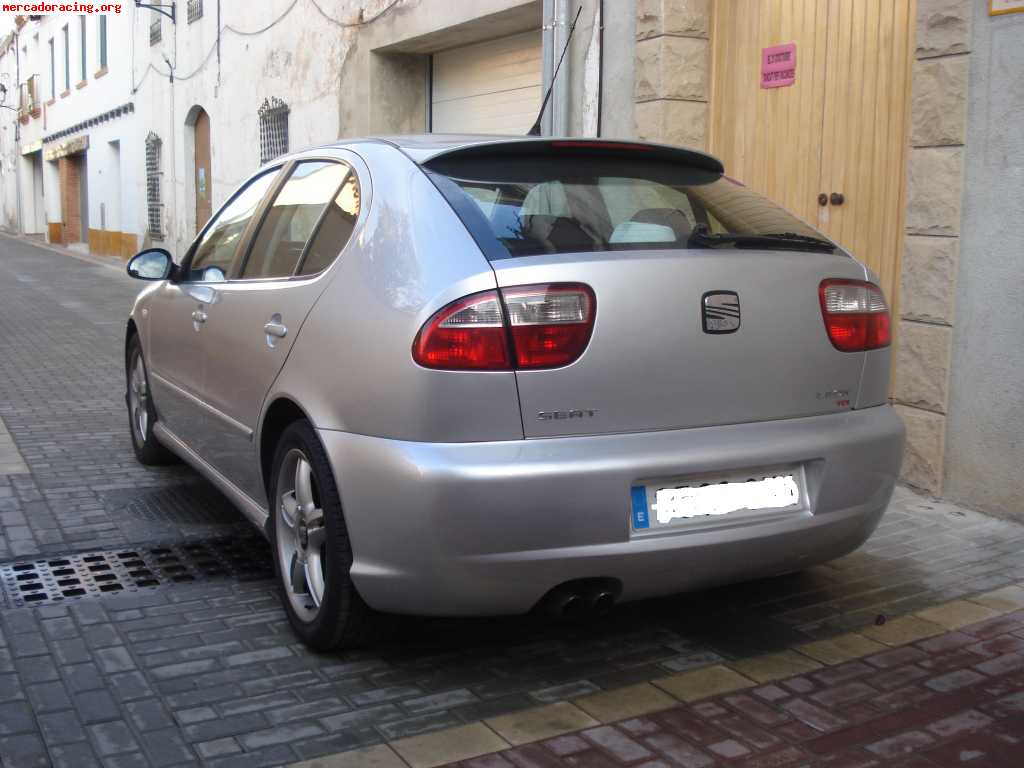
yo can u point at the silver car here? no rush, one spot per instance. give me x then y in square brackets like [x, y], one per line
[463, 375]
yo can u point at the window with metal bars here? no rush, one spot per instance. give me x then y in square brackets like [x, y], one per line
[155, 30]
[273, 115]
[195, 10]
[154, 205]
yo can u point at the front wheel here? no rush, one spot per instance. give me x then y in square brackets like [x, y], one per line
[141, 412]
[312, 552]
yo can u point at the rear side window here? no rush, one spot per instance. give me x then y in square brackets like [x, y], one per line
[549, 204]
[335, 228]
[292, 218]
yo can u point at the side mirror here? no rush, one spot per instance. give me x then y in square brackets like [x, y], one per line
[151, 264]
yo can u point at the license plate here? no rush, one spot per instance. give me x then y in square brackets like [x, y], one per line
[656, 505]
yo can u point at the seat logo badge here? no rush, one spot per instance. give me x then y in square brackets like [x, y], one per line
[720, 312]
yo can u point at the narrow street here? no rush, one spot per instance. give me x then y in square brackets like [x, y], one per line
[157, 638]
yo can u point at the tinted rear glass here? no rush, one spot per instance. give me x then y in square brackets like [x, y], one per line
[531, 205]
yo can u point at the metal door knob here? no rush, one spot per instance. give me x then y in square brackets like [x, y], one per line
[836, 198]
[275, 329]
[199, 316]
[823, 199]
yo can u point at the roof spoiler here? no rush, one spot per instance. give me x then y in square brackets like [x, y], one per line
[512, 148]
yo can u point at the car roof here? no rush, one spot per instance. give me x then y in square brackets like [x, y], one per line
[424, 147]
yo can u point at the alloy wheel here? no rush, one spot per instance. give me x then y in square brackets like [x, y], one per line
[300, 535]
[138, 399]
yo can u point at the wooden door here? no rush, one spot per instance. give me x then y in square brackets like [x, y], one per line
[770, 138]
[866, 112]
[203, 179]
[70, 174]
[841, 127]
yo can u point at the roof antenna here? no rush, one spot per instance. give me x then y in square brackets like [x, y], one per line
[535, 130]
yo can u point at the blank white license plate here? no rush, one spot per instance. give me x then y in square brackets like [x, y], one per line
[658, 505]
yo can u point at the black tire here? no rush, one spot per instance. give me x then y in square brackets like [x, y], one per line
[342, 619]
[148, 450]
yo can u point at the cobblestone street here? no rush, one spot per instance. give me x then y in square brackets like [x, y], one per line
[175, 650]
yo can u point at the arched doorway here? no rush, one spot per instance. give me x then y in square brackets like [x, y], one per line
[202, 178]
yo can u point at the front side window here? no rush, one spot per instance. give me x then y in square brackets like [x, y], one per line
[53, 72]
[292, 218]
[212, 255]
[549, 204]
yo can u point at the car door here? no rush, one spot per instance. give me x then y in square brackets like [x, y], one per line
[257, 314]
[178, 313]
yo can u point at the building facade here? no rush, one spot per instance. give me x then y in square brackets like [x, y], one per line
[72, 147]
[892, 127]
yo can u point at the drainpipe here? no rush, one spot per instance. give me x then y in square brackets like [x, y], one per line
[553, 34]
[172, 198]
[600, 62]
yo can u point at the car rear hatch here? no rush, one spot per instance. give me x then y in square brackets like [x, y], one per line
[700, 319]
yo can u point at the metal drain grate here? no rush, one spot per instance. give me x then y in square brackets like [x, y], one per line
[39, 582]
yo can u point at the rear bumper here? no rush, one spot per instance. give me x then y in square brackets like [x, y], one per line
[489, 528]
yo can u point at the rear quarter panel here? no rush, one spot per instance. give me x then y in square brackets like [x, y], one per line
[351, 368]
[877, 375]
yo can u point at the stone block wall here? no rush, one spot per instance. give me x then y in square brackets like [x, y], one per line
[935, 171]
[672, 72]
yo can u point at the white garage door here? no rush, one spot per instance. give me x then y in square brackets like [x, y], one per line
[491, 87]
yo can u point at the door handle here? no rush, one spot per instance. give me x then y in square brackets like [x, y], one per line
[275, 329]
[198, 316]
[822, 199]
[836, 198]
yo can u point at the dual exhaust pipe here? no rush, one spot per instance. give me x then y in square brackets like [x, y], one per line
[581, 598]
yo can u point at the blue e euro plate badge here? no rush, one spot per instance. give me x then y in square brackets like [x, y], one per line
[641, 521]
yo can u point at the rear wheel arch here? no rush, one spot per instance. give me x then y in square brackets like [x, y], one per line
[278, 416]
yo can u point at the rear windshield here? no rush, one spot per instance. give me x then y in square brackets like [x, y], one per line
[529, 205]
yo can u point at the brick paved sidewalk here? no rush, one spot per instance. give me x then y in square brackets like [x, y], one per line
[949, 699]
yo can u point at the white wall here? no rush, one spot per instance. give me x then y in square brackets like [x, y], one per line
[8, 126]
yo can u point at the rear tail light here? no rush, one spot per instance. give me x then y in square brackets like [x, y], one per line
[525, 327]
[550, 324]
[856, 315]
[467, 335]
